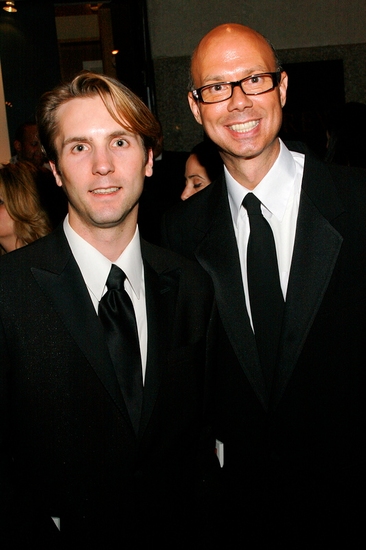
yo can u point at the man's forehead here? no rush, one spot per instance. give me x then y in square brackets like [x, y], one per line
[75, 103]
[226, 45]
[73, 110]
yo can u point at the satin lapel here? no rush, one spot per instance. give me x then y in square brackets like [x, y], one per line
[316, 250]
[160, 304]
[218, 255]
[70, 298]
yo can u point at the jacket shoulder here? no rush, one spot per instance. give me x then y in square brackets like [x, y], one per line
[163, 260]
[185, 225]
[196, 205]
[48, 252]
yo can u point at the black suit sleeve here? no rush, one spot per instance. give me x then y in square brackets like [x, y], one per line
[22, 523]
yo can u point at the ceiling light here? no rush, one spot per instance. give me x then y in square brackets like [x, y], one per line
[9, 6]
[95, 7]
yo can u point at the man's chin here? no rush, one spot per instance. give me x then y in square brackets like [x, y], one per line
[108, 222]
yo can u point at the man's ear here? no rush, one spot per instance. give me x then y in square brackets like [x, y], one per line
[283, 88]
[55, 173]
[194, 105]
[17, 145]
[149, 164]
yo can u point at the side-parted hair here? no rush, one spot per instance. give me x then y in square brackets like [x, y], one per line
[121, 103]
[19, 193]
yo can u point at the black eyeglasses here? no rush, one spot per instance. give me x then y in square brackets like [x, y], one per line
[254, 84]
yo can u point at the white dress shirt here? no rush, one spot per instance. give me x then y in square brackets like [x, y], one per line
[95, 269]
[279, 193]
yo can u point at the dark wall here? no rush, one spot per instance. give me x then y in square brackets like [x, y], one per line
[131, 37]
[29, 58]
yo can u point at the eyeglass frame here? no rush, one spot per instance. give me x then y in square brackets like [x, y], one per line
[276, 79]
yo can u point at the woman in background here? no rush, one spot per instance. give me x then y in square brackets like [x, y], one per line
[203, 166]
[22, 220]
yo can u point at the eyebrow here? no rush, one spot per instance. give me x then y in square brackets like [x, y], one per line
[195, 176]
[221, 78]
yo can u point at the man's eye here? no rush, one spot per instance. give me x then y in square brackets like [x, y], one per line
[257, 79]
[120, 143]
[79, 147]
[217, 88]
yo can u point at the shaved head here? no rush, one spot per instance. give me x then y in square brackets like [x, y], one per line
[223, 32]
[244, 126]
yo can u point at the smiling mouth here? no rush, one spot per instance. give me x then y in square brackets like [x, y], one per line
[105, 191]
[244, 126]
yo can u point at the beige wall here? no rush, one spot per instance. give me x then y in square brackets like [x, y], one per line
[4, 137]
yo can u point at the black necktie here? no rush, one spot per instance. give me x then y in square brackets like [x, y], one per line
[265, 295]
[118, 318]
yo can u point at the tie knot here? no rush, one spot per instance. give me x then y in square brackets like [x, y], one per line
[252, 204]
[116, 278]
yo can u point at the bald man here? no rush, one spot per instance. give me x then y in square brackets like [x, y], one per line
[293, 434]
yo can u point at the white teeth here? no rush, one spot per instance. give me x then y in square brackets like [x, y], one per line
[245, 126]
[105, 191]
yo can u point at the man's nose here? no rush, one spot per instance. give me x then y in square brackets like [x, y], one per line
[102, 161]
[239, 99]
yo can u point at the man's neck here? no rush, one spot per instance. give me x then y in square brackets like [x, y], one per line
[111, 241]
[249, 172]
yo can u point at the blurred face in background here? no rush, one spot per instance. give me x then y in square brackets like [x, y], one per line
[29, 148]
[196, 177]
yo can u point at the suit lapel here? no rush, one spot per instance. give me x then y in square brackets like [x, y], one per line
[69, 296]
[160, 290]
[62, 282]
[216, 252]
[316, 249]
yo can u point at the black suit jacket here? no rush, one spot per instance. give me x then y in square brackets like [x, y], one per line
[295, 458]
[68, 449]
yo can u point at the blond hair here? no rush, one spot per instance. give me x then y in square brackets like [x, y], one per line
[121, 103]
[19, 193]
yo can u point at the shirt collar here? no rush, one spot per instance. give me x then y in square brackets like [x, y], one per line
[130, 261]
[273, 191]
[95, 267]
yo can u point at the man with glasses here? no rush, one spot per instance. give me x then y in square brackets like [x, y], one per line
[283, 238]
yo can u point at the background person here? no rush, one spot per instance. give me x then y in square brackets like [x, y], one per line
[203, 166]
[27, 145]
[28, 148]
[22, 220]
